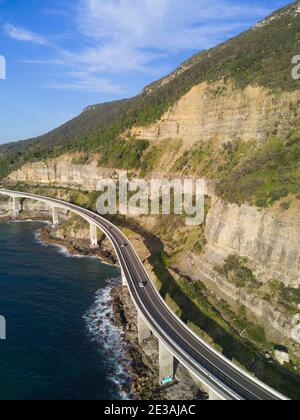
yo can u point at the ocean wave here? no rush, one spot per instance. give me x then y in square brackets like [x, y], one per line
[38, 238]
[66, 253]
[109, 337]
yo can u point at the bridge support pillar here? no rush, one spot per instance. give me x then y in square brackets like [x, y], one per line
[55, 219]
[16, 206]
[144, 331]
[94, 235]
[123, 278]
[166, 363]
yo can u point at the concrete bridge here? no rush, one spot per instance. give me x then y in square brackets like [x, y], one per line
[219, 376]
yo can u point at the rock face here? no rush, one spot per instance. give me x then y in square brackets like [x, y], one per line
[282, 357]
[27, 206]
[222, 112]
[277, 325]
[63, 172]
[270, 238]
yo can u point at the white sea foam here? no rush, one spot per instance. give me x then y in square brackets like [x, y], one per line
[37, 237]
[66, 253]
[104, 332]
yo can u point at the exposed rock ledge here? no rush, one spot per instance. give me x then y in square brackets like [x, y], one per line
[223, 112]
[269, 237]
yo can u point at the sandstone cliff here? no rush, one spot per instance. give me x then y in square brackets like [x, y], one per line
[63, 171]
[222, 112]
[270, 238]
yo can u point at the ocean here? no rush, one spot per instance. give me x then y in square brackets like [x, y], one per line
[61, 344]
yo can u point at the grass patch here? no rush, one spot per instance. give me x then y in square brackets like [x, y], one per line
[249, 172]
[236, 271]
[287, 297]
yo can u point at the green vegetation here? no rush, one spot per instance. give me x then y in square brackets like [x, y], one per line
[236, 271]
[201, 158]
[198, 246]
[261, 173]
[74, 223]
[82, 159]
[259, 56]
[166, 149]
[264, 174]
[287, 297]
[150, 159]
[123, 154]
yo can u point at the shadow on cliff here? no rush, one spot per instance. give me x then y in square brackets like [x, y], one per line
[233, 348]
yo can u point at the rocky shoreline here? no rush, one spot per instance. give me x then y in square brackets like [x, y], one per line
[78, 247]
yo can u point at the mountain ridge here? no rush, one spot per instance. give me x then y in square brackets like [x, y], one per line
[243, 60]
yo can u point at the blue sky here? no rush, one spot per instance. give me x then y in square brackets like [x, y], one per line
[63, 55]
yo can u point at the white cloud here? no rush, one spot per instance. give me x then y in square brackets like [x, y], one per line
[23, 35]
[111, 57]
[113, 37]
[164, 24]
[132, 35]
[84, 81]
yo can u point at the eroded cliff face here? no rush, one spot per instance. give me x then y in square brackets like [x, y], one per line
[28, 207]
[269, 237]
[223, 112]
[278, 326]
[63, 171]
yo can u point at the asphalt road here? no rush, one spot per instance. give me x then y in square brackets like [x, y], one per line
[221, 374]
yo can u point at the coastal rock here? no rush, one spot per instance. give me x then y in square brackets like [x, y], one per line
[282, 357]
